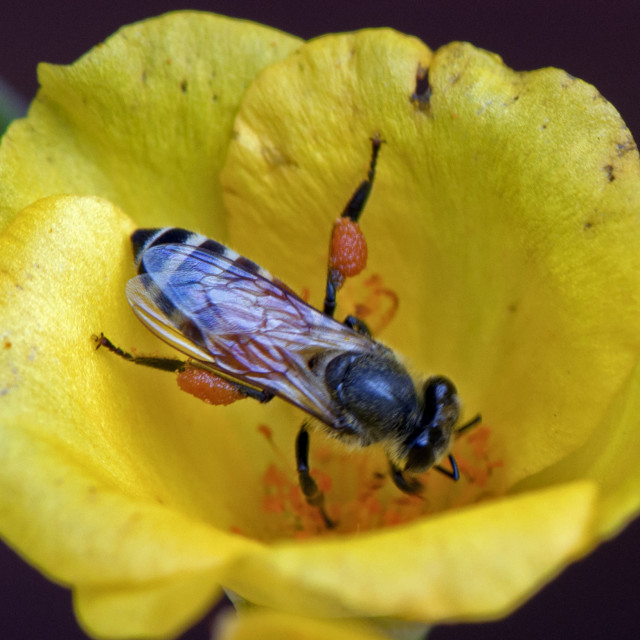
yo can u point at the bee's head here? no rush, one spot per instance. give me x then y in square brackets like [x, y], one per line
[431, 440]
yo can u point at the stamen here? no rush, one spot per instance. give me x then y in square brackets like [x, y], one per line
[380, 306]
[359, 494]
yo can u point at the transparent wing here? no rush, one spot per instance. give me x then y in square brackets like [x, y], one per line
[226, 313]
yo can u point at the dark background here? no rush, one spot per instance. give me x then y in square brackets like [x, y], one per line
[597, 41]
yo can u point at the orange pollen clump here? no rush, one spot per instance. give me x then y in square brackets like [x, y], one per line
[348, 253]
[208, 387]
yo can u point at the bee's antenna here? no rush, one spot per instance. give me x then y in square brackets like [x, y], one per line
[454, 473]
[472, 423]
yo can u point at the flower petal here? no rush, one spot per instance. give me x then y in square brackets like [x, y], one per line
[504, 216]
[154, 609]
[609, 458]
[274, 625]
[473, 563]
[143, 120]
[85, 496]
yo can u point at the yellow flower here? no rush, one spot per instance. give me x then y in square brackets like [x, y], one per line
[504, 252]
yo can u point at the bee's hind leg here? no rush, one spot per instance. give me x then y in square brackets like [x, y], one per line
[194, 378]
[309, 487]
[348, 248]
[164, 364]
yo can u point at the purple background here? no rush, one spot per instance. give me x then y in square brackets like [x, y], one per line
[593, 40]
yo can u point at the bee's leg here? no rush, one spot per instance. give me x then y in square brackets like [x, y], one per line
[330, 295]
[164, 364]
[358, 200]
[207, 388]
[452, 473]
[406, 484]
[310, 489]
[348, 248]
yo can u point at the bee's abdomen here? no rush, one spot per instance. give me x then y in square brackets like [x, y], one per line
[144, 239]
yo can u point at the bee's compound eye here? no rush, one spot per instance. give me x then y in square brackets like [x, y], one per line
[439, 392]
[440, 388]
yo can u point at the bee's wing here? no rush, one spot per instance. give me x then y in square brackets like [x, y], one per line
[230, 314]
[143, 297]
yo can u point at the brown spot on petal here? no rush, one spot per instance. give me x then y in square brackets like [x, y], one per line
[421, 96]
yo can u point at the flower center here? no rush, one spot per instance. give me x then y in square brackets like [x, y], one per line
[359, 493]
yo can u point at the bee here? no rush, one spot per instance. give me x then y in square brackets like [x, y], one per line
[246, 334]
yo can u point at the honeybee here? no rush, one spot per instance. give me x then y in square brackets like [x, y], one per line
[239, 325]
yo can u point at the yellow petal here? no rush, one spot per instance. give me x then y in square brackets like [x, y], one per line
[504, 218]
[89, 483]
[274, 625]
[148, 610]
[609, 458]
[473, 563]
[143, 120]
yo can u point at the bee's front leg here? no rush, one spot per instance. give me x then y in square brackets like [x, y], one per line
[309, 487]
[406, 484]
